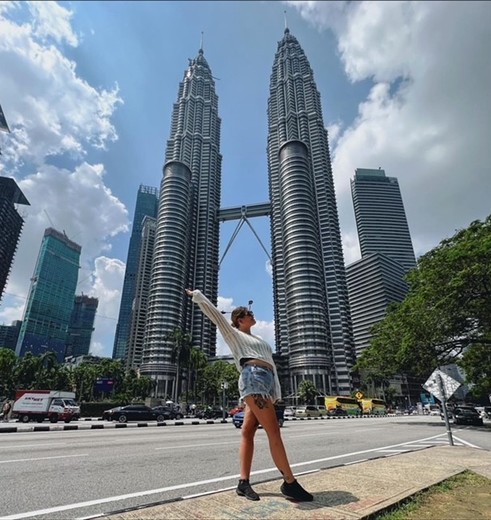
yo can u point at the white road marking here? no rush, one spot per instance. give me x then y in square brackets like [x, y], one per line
[44, 458]
[33, 445]
[187, 446]
[467, 443]
[89, 503]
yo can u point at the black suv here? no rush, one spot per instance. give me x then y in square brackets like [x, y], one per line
[466, 415]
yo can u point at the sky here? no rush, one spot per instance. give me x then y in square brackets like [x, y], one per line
[87, 89]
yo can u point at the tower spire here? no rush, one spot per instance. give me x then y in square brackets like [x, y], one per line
[286, 21]
[201, 43]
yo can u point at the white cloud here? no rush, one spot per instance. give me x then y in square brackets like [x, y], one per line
[426, 119]
[57, 117]
[50, 109]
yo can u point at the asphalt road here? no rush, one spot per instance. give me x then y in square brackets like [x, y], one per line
[77, 474]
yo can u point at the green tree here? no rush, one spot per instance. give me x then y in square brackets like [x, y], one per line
[8, 360]
[307, 391]
[213, 377]
[447, 311]
[198, 361]
[181, 352]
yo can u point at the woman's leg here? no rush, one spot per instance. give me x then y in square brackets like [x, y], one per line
[264, 412]
[246, 451]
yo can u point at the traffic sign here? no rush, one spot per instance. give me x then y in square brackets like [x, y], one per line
[359, 395]
[448, 383]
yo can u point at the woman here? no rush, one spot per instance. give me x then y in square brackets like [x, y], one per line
[259, 388]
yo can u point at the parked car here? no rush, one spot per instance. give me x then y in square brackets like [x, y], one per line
[289, 412]
[238, 418]
[235, 410]
[466, 415]
[338, 411]
[132, 412]
[168, 412]
[307, 411]
[211, 413]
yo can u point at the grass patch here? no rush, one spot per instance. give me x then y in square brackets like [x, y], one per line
[463, 496]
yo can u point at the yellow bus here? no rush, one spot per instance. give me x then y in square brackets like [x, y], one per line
[374, 406]
[341, 405]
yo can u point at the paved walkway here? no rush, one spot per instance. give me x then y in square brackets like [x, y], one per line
[356, 491]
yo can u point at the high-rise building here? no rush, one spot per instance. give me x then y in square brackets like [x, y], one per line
[81, 325]
[51, 297]
[142, 290]
[312, 319]
[187, 236]
[11, 225]
[146, 204]
[387, 253]
[374, 282]
[380, 217]
[9, 334]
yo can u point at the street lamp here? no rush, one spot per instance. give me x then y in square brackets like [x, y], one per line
[249, 303]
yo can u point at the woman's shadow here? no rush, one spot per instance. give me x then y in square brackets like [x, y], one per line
[322, 499]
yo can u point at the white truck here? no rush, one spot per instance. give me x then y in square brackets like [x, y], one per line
[38, 405]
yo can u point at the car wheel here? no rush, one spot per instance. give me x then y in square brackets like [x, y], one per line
[122, 418]
[53, 419]
[238, 425]
[25, 419]
[179, 415]
[160, 418]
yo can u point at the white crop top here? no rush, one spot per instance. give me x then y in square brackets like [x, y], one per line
[242, 345]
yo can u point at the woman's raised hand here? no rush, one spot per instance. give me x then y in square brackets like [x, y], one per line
[189, 292]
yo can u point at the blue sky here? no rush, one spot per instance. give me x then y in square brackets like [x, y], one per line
[88, 88]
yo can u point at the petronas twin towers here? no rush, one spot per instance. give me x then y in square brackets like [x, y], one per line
[313, 336]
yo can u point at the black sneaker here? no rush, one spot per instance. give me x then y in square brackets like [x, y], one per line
[296, 492]
[244, 489]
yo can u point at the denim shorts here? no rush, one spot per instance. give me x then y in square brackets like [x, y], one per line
[257, 380]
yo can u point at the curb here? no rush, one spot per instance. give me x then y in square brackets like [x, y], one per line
[72, 427]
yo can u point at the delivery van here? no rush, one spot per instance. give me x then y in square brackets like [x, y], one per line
[38, 405]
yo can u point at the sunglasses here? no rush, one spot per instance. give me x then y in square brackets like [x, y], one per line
[247, 313]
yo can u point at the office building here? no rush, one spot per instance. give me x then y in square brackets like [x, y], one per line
[187, 234]
[9, 334]
[142, 289]
[312, 319]
[11, 223]
[51, 297]
[146, 204]
[81, 325]
[374, 282]
[380, 217]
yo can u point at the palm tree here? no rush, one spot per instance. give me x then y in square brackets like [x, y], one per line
[198, 360]
[307, 391]
[181, 351]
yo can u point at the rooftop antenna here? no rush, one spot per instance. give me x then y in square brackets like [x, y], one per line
[286, 22]
[201, 43]
[49, 219]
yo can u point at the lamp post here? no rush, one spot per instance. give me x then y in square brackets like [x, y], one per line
[249, 303]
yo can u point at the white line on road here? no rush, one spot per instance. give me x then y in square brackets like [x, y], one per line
[186, 446]
[44, 458]
[467, 443]
[137, 494]
[33, 445]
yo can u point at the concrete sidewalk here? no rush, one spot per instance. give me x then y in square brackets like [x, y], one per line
[356, 491]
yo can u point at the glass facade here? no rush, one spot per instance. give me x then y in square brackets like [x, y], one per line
[81, 325]
[51, 297]
[146, 205]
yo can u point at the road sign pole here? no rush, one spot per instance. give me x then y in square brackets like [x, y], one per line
[444, 407]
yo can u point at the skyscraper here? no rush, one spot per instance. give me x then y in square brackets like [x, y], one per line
[142, 290]
[380, 217]
[187, 236]
[146, 204]
[11, 225]
[51, 296]
[387, 253]
[312, 320]
[81, 325]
